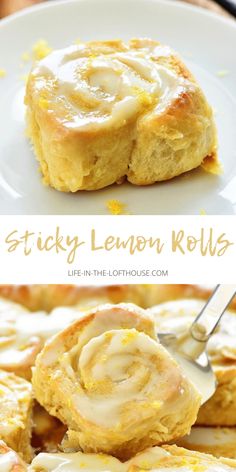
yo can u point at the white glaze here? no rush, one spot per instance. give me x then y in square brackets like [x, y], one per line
[110, 84]
[22, 334]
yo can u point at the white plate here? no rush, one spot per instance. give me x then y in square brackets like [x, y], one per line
[207, 44]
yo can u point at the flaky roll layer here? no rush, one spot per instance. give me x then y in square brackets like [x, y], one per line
[177, 316]
[105, 110]
[10, 461]
[15, 413]
[171, 458]
[23, 334]
[110, 381]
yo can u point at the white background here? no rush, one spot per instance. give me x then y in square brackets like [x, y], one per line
[50, 267]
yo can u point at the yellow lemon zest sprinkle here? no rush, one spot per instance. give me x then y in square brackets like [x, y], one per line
[41, 49]
[144, 97]
[43, 103]
[3, 73]
[202, 212]
[115, 207]
[82, 464]
[25, 56]
[222, 73]
[128, 337]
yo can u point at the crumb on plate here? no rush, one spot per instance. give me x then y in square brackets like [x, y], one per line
[41, 49]
[3, 73]
[222, 73]
[115, 207]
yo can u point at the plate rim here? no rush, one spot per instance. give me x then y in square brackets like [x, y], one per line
[181, 5]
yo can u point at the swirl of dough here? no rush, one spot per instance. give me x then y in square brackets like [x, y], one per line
[107, 83]
[111, 382]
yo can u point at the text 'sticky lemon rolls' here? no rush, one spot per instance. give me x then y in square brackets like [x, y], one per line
[112, 383]
[101, 111]
[23, 334]
[177, 316]
[15, 413]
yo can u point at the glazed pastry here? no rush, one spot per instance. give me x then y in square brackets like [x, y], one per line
[216, 441]
[220, 410]
[15, 413]
[46, 297]
[10, 461]
[110, 381]
[163, 293]
[103, 111]
[23, 334]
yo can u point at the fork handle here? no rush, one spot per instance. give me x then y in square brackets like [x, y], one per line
[209, 317]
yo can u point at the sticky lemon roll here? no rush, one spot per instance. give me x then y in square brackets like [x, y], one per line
[110, 381]
[177, 316]
[15, 413]
[103, 111]
[47, 297]
[218, 441]
[175, 459]
[23, 334]
[10, 461]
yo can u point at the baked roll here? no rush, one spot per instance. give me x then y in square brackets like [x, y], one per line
[46, 297]
[217, 441]
[110, 381]
[220, 409]
[15, 413]
[10, 461]
[103, 111]
[23, 334]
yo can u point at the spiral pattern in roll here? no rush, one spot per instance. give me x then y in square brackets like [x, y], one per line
[111, 382]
